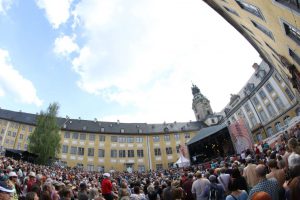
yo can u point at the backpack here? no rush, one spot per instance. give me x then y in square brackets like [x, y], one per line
[213, 193]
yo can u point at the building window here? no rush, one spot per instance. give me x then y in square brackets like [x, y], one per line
[177, 136]
[74, 150]
[65, 149]
[114, 139]
[269, 132]
[79, 165]
[263, 29]
[67, 134]
[295, 56]
[130, 153]
[14, 134]
[289, 94]
[292, 32]
[130, 139]
[255, 101]
[279, 104]
[177, 148]
[247, 107]
[122, 139]
[21, 136]
[102, 129]
[293, 4]
[187, 136]
[141, 168]
[262, 94]
[92, 137]
[167, 138]
[269, 87]
[277, 77]
[278, 126]
[231, 11]
[75, 136]
[90, 168]
[247, 29]
[82, 136]
[9, 133]
[156, 138]
[101, 153]
[253, 120]
[122, 153]
[101, 169]
[169, 150]
[139, 139]
[122, 130]
[102, 138]
[263, 116]
[2, 131]
[140, 153]
[159, 166]
[250, 8]
[113, 153]
[286, 120]
[80, 151]
[271, 110]
[30, 129]
[157, 152]
[259, 137]
[90, 151]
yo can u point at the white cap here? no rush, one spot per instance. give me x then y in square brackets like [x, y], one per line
[9, 168]
[12, 174]
[106, 174]
[32, 174]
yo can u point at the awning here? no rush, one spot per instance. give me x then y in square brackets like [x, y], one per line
[205, 132]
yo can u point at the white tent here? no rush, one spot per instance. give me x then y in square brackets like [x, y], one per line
[182, 161]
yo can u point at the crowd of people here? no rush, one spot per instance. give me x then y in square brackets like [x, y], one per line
[262, 173]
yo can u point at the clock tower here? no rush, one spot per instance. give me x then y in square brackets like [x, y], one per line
[201, 105]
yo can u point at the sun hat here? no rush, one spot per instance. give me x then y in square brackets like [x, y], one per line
[32, 174]
[106, 174]
[12, 174]
[4, 187]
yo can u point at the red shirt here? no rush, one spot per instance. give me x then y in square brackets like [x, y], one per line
[106, 186]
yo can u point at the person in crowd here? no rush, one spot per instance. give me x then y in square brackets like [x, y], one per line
[5, 191]
[214, 190]
[106, 187]
[267, 185]
[249, 172]
[198, 187]
[224, 179]
[13, 179]
[31, 196]
[152, 194]
[276, 173]
[167, 192]
[235, 192]
[137, 195]
[83, 192]
[240, 180]
[31, 181]
[261, 196]
[187, 187]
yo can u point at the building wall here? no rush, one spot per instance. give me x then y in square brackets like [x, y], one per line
[272, 15]
[14, 136]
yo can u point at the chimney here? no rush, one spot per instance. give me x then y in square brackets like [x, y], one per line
[255, 66]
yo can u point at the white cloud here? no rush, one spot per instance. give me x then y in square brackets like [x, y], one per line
[13, 83]
[57, 11]
[145, 54]
[64, 45]
[5, 5]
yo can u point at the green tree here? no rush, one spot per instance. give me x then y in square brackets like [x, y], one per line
[45, 140]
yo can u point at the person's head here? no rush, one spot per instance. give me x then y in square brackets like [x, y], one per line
[13, 176]
[233, 185]
[261, 196]
[272, 164]
[177, 193]
[31, 196]
[293, 144]
[5, 191]
[82, 186]
[294, 187]
[212, 178]
[236, 173]
[65, 193]
[106, 175]
[261, 171]
[294, 165]
[136, 189]
[32, 176]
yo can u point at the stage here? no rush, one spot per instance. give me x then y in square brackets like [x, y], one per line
[210, 143]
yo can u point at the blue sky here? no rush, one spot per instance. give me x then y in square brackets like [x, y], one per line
[132, 61]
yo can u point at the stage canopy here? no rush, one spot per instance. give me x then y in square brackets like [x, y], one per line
[205, 132]
[20, 155]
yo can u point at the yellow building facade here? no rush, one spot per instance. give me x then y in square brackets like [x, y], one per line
[273, 29]
[104, 146]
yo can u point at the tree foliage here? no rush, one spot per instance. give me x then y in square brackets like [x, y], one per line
[45, 140]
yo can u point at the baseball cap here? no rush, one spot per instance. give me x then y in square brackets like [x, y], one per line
[106, 174]
[12, 174]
